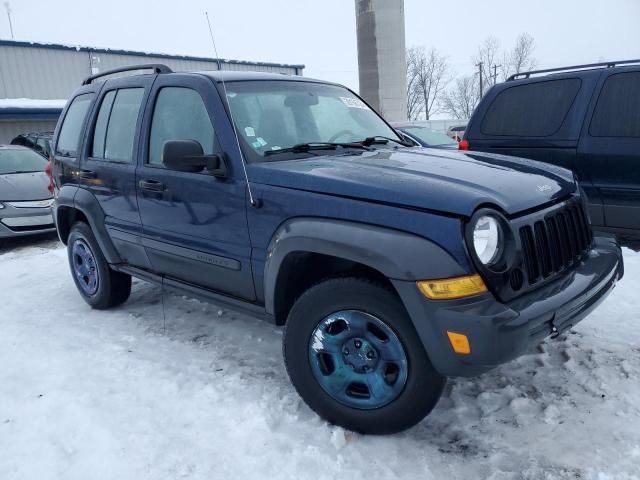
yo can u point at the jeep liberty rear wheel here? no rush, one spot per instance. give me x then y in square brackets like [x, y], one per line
[354, 357]
[99, 285]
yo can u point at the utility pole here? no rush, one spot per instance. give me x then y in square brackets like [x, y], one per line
[8, 8]
[495, 73]
[479, 65]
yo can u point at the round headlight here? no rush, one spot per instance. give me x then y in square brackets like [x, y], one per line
[487, 239]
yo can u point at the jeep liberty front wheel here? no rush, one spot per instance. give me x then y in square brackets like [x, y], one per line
[354, 357]
[99, 285]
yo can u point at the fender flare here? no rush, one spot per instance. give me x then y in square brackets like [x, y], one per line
[72, 196]
[396, 254]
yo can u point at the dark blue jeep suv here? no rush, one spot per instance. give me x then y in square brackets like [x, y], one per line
[391, 268]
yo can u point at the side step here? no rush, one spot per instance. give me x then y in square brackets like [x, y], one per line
[200, 293]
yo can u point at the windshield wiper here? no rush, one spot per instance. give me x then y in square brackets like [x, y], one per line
[307, 147]
[381, 140]
[27, 171]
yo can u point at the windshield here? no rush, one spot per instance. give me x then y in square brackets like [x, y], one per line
[18, 161]
[429, 137]
[276, 115]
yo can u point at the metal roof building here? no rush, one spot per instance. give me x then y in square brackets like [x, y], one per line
[46, 71]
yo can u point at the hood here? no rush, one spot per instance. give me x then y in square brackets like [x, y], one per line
[451, 182]
[24, 186]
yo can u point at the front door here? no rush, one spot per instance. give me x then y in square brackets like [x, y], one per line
[194, 224]
[610, 148]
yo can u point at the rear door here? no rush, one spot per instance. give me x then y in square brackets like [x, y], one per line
[108, 167]
[610, 147]
[194, 224]
[70, 134]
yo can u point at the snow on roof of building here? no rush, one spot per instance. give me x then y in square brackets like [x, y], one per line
[81, 48]
[32, 103]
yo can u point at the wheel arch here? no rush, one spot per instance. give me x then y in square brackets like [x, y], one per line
[303, 251]
[75, 204]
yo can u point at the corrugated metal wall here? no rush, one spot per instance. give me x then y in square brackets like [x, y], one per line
[28, 72]
[55, 71]
[11, 129]
[106, 61]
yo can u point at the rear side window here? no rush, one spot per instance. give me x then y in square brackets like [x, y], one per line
[100, 132]
[531, 110]
[179, 114]
[43, 143]
[115, 130]
[72, 125]
[617, 112]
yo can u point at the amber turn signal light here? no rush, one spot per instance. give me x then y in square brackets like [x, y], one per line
[459, 343]
[452, 288]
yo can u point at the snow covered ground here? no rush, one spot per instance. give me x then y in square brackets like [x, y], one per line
[126, 394]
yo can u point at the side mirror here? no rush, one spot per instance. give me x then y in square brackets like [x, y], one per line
[187, 156]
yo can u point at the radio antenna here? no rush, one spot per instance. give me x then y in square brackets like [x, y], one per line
[233, 123]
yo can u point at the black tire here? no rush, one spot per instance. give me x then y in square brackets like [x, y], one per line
[113, 288]
[423, 385]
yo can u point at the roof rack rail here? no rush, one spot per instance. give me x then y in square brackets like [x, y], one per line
[156, 67]
[521, 75]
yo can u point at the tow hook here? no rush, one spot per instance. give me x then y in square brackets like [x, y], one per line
[555, 331]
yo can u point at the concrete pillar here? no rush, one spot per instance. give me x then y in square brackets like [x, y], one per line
[382, 56]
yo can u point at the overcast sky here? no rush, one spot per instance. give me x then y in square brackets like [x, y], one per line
[321, 33]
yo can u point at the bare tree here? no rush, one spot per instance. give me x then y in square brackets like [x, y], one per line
[427, 79]
[520, 59]
[487, 59]
[462, 98]
[415, 103]
[433, 77]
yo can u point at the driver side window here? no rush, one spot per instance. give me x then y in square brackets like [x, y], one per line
[179, 114]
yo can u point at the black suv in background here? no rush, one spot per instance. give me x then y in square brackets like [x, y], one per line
[38, 141]
[586, 118]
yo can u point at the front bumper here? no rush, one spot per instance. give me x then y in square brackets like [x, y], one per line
[499, 332]
[18, 222]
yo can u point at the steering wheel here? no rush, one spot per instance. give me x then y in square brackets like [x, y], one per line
[339, 134]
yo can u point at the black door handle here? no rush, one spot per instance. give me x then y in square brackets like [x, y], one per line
[152, 185]
[87, 174]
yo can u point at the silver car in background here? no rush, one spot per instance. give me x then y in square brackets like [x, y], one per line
[25, 201]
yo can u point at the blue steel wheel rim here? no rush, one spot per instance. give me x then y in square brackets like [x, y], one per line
[84, 267]
[358, 360]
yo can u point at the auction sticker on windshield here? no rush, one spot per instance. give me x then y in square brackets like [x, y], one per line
[354, 103]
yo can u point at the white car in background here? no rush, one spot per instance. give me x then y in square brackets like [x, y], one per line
[456, 132]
